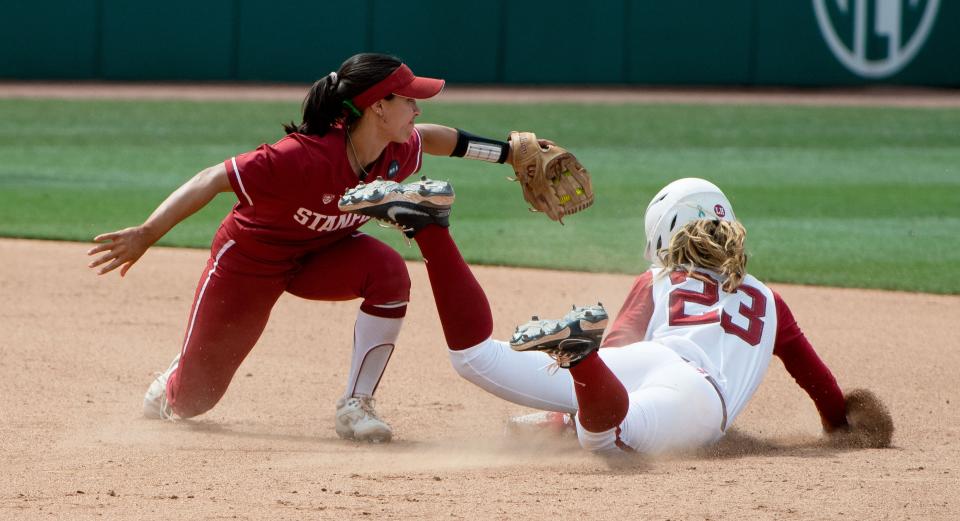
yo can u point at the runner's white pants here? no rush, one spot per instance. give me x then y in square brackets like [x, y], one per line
[673, 406]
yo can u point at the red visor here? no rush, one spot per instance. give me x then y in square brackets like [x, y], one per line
[401, 82]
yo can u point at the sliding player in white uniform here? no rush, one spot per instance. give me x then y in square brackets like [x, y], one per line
[682, 359]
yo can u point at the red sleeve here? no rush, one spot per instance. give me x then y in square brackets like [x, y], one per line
[249, 175]
[271, 173]
[810, 373]
[634, 317]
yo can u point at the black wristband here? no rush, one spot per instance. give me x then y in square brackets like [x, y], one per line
[481, 148]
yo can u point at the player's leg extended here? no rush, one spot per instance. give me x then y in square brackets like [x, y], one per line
[230, 310]
[461, 303]
[421, 209]
[467, 323]
[602, 400]
[671, 405]
[361, 266]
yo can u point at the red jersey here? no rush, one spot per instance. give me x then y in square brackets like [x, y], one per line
[288, 191]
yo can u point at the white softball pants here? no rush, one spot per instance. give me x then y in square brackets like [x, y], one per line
[673, 405]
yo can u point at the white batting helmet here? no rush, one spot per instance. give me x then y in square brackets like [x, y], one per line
[678, 203]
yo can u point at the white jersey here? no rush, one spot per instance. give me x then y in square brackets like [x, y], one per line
[729, 335]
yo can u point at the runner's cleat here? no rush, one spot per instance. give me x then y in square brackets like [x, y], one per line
[541, 423]
[592, 320]
[538, 333]
[408, 207]
[567, 340]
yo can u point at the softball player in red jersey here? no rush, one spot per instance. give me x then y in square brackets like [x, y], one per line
[689, 348]
[285, 233]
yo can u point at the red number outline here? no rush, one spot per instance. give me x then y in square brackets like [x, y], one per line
[710, 295]
[679, 297]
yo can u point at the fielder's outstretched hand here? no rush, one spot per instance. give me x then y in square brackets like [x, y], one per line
[122, 247]
[125, 247]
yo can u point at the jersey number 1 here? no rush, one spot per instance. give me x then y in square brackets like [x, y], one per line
[710, 296]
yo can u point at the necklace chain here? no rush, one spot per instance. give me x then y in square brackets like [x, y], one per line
[356, 157]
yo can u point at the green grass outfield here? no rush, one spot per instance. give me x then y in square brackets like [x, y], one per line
[839, 196]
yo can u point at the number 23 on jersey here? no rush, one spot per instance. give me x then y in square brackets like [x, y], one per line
[709, 296]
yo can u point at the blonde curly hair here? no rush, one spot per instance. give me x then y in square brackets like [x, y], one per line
[710, 244]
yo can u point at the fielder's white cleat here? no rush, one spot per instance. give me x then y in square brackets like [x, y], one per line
[356, 419]
[155, 404]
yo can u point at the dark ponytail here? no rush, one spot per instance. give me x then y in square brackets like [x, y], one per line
[328, 102]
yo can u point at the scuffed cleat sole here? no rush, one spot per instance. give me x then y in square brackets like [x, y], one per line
[426, 192]
[368, 193]
[590, 319]
[439, 192]
[524, 341]
[536, 334]
[409, 208]
[585, 324]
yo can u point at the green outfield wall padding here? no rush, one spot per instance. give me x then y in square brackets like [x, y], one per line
[689, 41]
[298, 40]
[458, 42]
[791, 49]
[169, 40]
[564, 41]
[638, 42]
[938, 62]
[56, 39]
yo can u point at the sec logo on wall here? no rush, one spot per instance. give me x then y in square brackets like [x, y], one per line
[875, 38]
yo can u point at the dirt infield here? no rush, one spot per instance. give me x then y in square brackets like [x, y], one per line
[79, 351]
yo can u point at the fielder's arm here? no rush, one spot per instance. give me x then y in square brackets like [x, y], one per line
[439, 140]
[125, 247]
